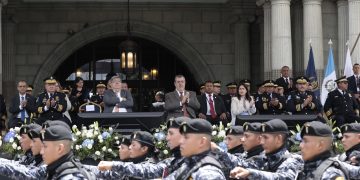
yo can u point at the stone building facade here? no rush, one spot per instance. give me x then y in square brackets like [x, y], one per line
[217, 39]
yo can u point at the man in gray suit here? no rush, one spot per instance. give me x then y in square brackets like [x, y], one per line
[116, 99]
[181, 102]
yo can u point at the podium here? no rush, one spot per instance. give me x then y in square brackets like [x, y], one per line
[125, 122]
[290, 120]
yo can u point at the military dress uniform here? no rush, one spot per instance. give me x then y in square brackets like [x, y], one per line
[353, 151]
[341, 106]
[280, 164]
[227, 99]
[263, 105]
[322, 167]
[296, 99]
[202, 165]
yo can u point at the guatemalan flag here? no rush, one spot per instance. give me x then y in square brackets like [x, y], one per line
[329, 78]
[311, 74]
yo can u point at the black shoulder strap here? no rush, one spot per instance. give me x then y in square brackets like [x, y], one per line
[276, 166]
[207, 160]
[317, 174]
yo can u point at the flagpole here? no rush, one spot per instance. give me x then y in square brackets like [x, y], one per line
[357, 39]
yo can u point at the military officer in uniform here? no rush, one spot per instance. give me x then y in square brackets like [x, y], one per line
[234, 139]
[232, 91]
[351, 142]
[51, 104]
[217, 88]
[98, 98]
[316, 148]
[279, 163]
[270, 102]
[150, 170]
[302, 101]
[341, 105]
[36, 145]
[195, 147]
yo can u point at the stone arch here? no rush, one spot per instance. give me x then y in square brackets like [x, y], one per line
[184, 50]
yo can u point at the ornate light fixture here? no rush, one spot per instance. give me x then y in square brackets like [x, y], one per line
[154, 73]
[129, 49]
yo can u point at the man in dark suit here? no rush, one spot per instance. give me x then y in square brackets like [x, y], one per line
[341, 105]
[212, 106]
[285, 81]
[22, 106]
[354, 81]
[99, 96]
[117, 99]
[181, 102]
[51, 104]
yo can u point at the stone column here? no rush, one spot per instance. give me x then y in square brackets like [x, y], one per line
[343, 29]
[313, 30]
[281, 53]
[267, 40]
[242, 49]
[354, 28]
[8, 60]
[2, 4]
[298, 38]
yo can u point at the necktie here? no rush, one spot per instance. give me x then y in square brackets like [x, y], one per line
[286, 81]
[186, 114]
[22, 113]
[357, 82]
[212, 109]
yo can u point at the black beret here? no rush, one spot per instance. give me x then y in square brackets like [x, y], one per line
[350, 128]
[176, 122]
[26, 128]
[316, 128]
[125, 140]
[231, 85]
[301, 80]
[56, 133]
[235, 130]
[50, 123]
[35, 133]
[252, 127]
[196, 126]
[341, 79]
[274, 126]
[143, 137]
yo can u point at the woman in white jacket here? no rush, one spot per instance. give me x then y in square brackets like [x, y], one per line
[242, 104]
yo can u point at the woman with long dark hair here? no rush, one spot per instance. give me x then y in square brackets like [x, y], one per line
[79, 93]
[242, 104]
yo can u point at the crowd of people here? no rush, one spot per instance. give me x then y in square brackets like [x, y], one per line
[254, 150]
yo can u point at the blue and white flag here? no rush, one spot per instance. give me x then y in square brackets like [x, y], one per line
[328, 84]
[311, 74]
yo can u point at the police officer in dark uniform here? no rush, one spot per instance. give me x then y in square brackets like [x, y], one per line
[58, 156]
[232, 91]
[98, 98]
[36, 145]
[234, 139]
[341, 105]
[270, 102]
[302, 101]
[149, 170]
[217, 88]
[51, 104]
[316, 152]
[351, 142]
[25, 141]
[195, 148]
[278, 162]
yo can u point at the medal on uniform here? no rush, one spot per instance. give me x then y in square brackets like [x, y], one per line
[56, 98]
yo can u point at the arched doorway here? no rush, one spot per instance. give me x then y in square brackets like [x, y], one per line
[173, 42]
[97, 59]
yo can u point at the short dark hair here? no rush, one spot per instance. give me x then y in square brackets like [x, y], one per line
[208, 81]
[179, 76]
[356, 64]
